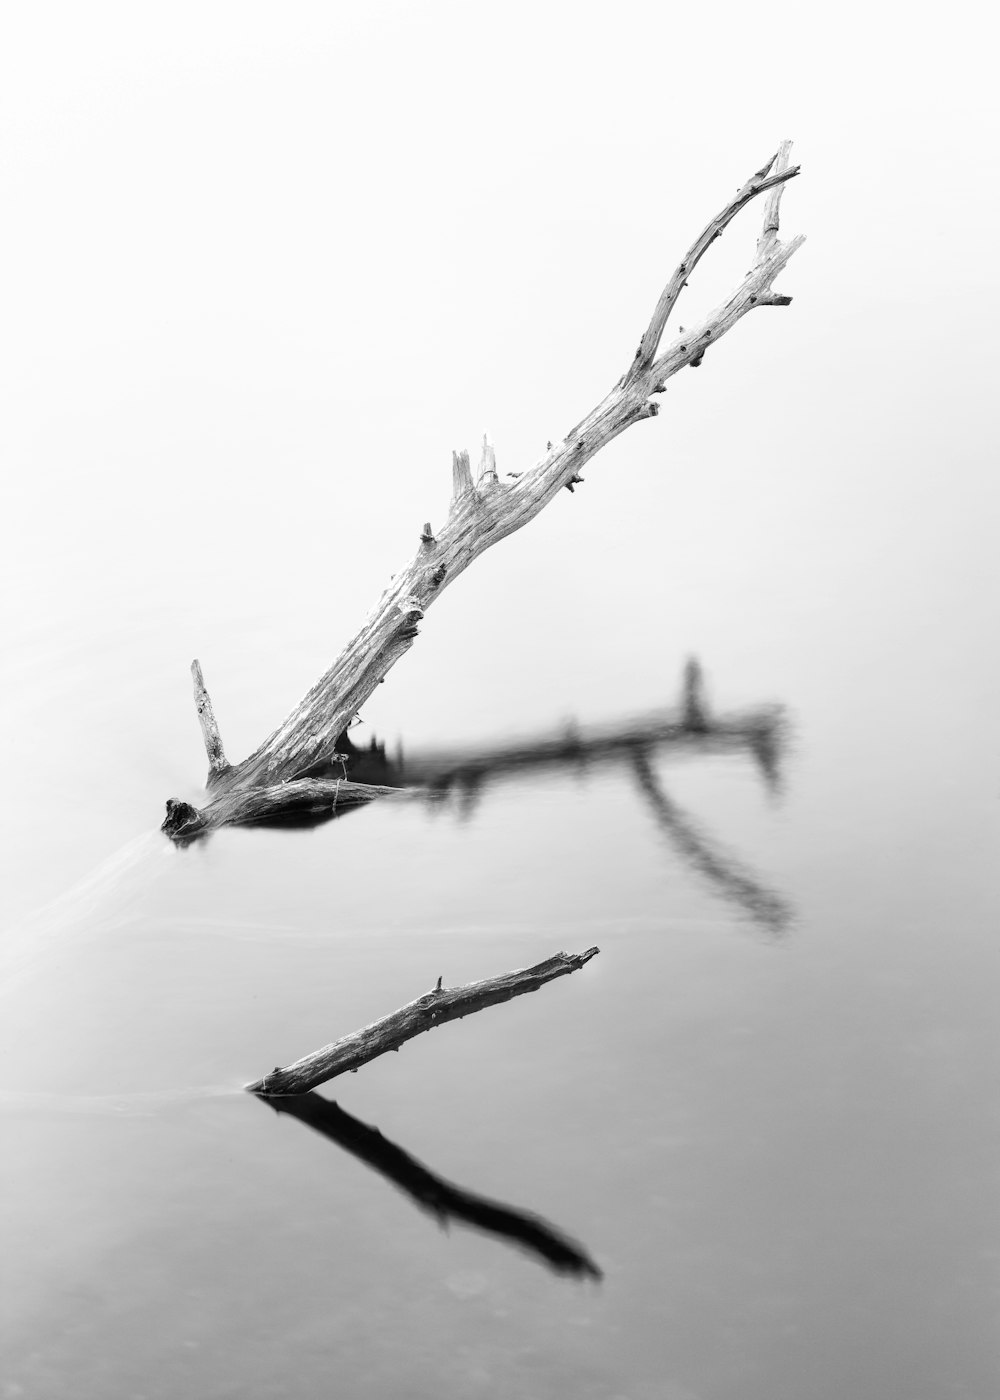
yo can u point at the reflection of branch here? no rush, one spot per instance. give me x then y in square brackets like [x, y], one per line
[761, 903]
[689, 726]
[432, 1193]
[573, 748]
[433, 1009]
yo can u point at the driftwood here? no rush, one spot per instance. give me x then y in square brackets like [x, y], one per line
[303, 798]
[431, 1193]
[434, 1008]
[482, 512]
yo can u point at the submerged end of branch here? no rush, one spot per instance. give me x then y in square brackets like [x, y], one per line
[182, 822]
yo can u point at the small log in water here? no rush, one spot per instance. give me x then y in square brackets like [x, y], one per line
[432, 1009]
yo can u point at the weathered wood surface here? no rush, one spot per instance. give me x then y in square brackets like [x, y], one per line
[217, 762]
[488, 509]
[305, 797]
[442, 1199]
[432, 1009]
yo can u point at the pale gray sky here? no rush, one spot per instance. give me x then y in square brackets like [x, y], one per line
[266, 266]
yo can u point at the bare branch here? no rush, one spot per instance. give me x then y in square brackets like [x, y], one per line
[209, 727]
[760, 181]
[482, 515]
[755, 290]
[433, 1009]
[772, 205]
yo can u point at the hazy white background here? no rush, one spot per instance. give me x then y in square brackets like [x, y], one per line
[266, 266]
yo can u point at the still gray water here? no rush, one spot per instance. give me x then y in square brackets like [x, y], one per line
[265, 267]
[777, 1146]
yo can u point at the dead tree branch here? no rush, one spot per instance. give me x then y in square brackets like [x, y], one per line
[484, 512]
[771, 176]
[434, 1008]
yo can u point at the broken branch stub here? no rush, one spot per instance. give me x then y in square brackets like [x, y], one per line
[485, 512]
[433, 1009]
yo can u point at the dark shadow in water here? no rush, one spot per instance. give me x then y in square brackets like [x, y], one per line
[433, 1194]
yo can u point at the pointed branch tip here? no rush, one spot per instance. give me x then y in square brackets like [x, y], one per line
[209, 726]
[766, 169]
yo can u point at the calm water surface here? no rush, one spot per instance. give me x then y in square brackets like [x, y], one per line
[778, 1147]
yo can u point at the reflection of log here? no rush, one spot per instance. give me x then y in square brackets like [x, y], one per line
[484, 512]
[761, 903]
[681, 730]
[432, 1193]
[433, 1009]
